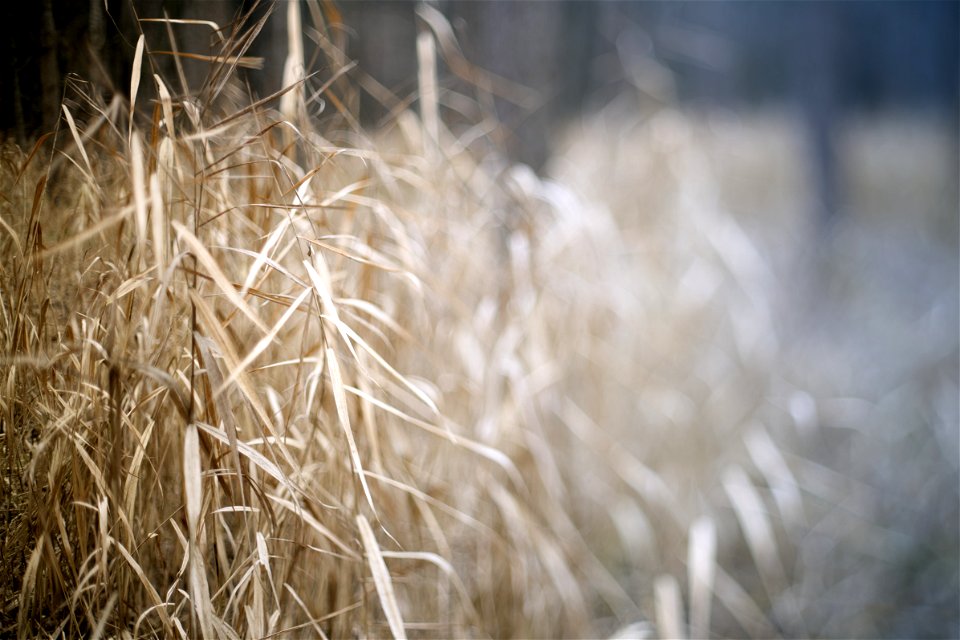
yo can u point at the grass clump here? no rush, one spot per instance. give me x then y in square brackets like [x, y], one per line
[241, 377]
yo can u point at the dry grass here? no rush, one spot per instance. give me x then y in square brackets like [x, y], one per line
[258, 380]
[268, 374]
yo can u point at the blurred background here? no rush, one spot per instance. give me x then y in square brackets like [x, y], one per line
[828, 67]
[825, 133]
[825, 60]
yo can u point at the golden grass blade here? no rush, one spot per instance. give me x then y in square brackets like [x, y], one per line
[293, 66]
[355, 338]
[167, 102]
[216, 273]
[370, 429]
[205, 345]
[343, 415]
[427, 80]
[263, 558]
[315, 524]
[290, 363]
[225, 345]
[420, 495]
[200, 592]
[235, 509]
[314, 378]
[701, 564]
[139, 190]
[210, 23]
[31, 155]
[192, 483]
[329, 616]
[170, 171]
[263, 101]
[131, 489]
[158, 227]
[103, 515]
[379, 264]
[342, 193]
[141, 280]
[490, 453]
[241, 588]
[254, 610]
[669, 605]
[180, 629]
[320, 279]
[95, 471]
[263, 343]
[193, 494]
[135, 82]
[246, 451]
[164, 378]
[311, 621]
[76, 138]
[441, 563]
[244, 62]
[159, 605]
[262, 257]
[376, 312]
[381, 578]
[38, 192]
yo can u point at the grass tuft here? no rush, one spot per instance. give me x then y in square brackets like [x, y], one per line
[241, 377]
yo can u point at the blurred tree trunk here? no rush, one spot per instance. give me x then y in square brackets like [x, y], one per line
[874, 54]
[817, 73]
[521, 41]
[50, 79]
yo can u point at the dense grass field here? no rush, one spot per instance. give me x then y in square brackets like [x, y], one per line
[269, 373]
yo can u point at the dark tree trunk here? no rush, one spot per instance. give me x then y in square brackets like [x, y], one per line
[50, 79]
[817, 76]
